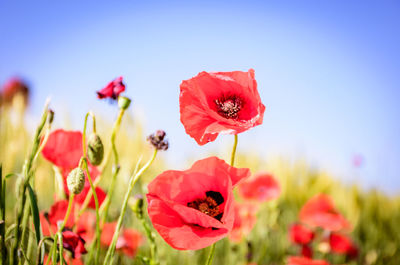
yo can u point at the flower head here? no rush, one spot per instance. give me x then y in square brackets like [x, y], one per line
[194, 208]
[113, 89]
[158, 141]
[262, 187]
[300, 234]
[342, 244]
[245, 220]
[220, 102]
[76, 180]
[128, 242]
[13, 87]
[320, 211]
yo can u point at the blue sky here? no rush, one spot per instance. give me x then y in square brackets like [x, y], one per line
[328, 71]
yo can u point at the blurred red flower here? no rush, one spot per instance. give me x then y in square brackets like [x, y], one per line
[113, 89]
[86, 226]
[261, 187]
[194, 208]
[13, 87]
[220, 102]
[50, 222]
[342, 244]
[74, 243]
[245, 220]
[320, 211]
[128, 241]
[300, 234]
[306, 251]
[305, 261]
[64, 150]
[80, 198]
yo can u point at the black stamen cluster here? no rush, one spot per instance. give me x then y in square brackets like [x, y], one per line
[158, 141]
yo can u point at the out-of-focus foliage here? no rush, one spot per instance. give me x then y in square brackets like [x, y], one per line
[374, 215]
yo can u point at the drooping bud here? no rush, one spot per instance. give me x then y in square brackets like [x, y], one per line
[158, 141]
[124, 102]
[76, 180]
[50, 116]
[136, 205]
[95, 149]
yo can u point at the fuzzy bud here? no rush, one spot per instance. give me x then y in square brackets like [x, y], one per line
[158, 141]
[95, 151]
[136, 205]
[123, 102]
[50, 116]
[76, 181]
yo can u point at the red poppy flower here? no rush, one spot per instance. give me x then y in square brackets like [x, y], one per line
[80, 198]
[305, 261]
[13, 87]
[64, 149]
[128, 241]
[262, 187]
[56, 215]
[299, 234]
[220, 102]
[306, 251]
[341, 244]
[320, 211]
[113, 89]
[86, 226]
[245, 220]
[74, 243]
[194, 208]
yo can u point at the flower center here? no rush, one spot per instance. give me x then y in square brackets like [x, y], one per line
[209, 205]
[229, 106]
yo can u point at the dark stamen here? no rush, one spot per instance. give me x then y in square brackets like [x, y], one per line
[209, 205]
[216, 196]
[229, 106]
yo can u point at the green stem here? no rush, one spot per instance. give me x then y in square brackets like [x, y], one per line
[233, 154]
[116, 167]
[133, 180]
[211, 255]
[234, 150]
[96, 241]
[67, 214]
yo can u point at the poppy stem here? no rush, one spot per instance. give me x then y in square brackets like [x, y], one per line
[234, 150]
[116, 168]
[132, 182]
[96, 241]
[211, 255]
[105, 162]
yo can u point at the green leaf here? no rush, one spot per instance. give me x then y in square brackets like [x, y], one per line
[36, 219]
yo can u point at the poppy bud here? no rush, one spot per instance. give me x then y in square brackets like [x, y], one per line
[124, 102]
[76, 180]
[137, 206]
[95, 150]
[50, 116]
[157, 140]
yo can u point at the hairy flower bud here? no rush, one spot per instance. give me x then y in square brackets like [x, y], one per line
[95, 150]
[50, 116]
[158, 141]
[136, 205]
[76, 180]
[124, 102]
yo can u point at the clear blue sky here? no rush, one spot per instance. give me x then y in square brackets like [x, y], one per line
[328, 71]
